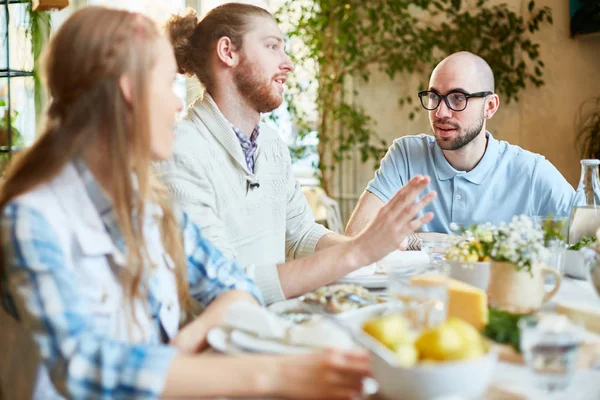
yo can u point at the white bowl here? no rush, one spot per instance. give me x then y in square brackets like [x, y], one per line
[574, 264]
[475, 273]
[467, 379]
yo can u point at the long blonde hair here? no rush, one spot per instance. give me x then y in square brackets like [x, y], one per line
[84, 63]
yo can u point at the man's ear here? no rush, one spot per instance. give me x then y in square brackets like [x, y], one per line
[126, 88]
[226, 52]
[491, 105]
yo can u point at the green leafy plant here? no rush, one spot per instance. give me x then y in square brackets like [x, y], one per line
[351, 39]
[585, 241]
[503, 327]
[38, 31]
[554, 229]
[17, 140]
[587, 128]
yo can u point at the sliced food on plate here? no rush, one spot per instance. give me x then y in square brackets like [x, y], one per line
[341, 298]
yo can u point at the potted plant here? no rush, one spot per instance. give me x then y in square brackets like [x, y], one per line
[587, 128]
[516, 251]
[469, 259]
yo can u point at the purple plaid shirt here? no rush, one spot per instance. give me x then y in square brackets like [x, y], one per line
[249, 146]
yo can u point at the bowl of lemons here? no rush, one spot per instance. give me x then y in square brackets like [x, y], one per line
[450, 359]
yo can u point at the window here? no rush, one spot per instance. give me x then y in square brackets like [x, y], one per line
[22, 113]
[158, 10]
[305, 167]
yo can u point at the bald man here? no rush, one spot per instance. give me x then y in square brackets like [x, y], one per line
[477, 177]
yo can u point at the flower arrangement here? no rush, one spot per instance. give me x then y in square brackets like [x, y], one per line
[518, 242]
[476, 246]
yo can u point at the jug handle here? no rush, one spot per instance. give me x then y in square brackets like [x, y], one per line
[557, 278]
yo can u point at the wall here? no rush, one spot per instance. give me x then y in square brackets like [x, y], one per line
[542, 121]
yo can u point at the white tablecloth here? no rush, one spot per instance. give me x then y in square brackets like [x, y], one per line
[586, 384]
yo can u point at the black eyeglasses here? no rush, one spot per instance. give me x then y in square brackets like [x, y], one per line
[456, 101]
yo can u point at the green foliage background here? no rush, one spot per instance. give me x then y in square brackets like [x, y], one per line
[346, 39]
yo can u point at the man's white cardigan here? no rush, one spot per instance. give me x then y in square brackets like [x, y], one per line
[260, 226]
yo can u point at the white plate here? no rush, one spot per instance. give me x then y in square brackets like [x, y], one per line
[376, 281]
[295, 304]
[236, 342]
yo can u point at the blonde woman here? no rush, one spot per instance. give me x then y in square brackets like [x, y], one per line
[98, 264]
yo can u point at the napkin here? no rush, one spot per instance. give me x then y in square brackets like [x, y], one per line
[255, 328]
[253, 318]
[399, 258]
[320, 333]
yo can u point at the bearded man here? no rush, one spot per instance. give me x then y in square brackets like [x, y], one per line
[233, 176]
[477, 177]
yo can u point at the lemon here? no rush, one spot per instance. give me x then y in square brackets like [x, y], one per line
[472, 352]
[440, 343]
[466, 330]
[390, 330]
[406, 354]
[453, 340]
[473, 346]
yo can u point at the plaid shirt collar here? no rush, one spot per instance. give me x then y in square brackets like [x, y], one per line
[99, 197]
[104, 204]
[249, 145]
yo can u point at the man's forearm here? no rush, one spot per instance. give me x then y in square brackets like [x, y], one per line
[323, 267]
[331, 239]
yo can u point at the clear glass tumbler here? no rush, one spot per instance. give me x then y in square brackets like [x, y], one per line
[550, 353]
[428, 296]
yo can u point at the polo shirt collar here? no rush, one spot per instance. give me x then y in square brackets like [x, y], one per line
[477, 175]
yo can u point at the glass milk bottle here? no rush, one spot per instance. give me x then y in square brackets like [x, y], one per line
[585, 208]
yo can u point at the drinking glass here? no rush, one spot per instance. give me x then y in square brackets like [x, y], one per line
[436, 248]
[550, 353]
[556, 246]
[428, 299]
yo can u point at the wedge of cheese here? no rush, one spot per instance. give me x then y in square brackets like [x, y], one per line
[465, 301]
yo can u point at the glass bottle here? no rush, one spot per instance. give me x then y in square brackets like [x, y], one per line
[585, 207]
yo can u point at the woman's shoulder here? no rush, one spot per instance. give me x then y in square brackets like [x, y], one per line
[43, 200]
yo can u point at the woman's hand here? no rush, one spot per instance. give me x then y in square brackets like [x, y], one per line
[328, 374]
[192, 337]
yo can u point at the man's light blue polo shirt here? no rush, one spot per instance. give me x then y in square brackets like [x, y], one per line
[507, 181]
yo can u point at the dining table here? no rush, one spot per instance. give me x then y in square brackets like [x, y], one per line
[514, 381]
